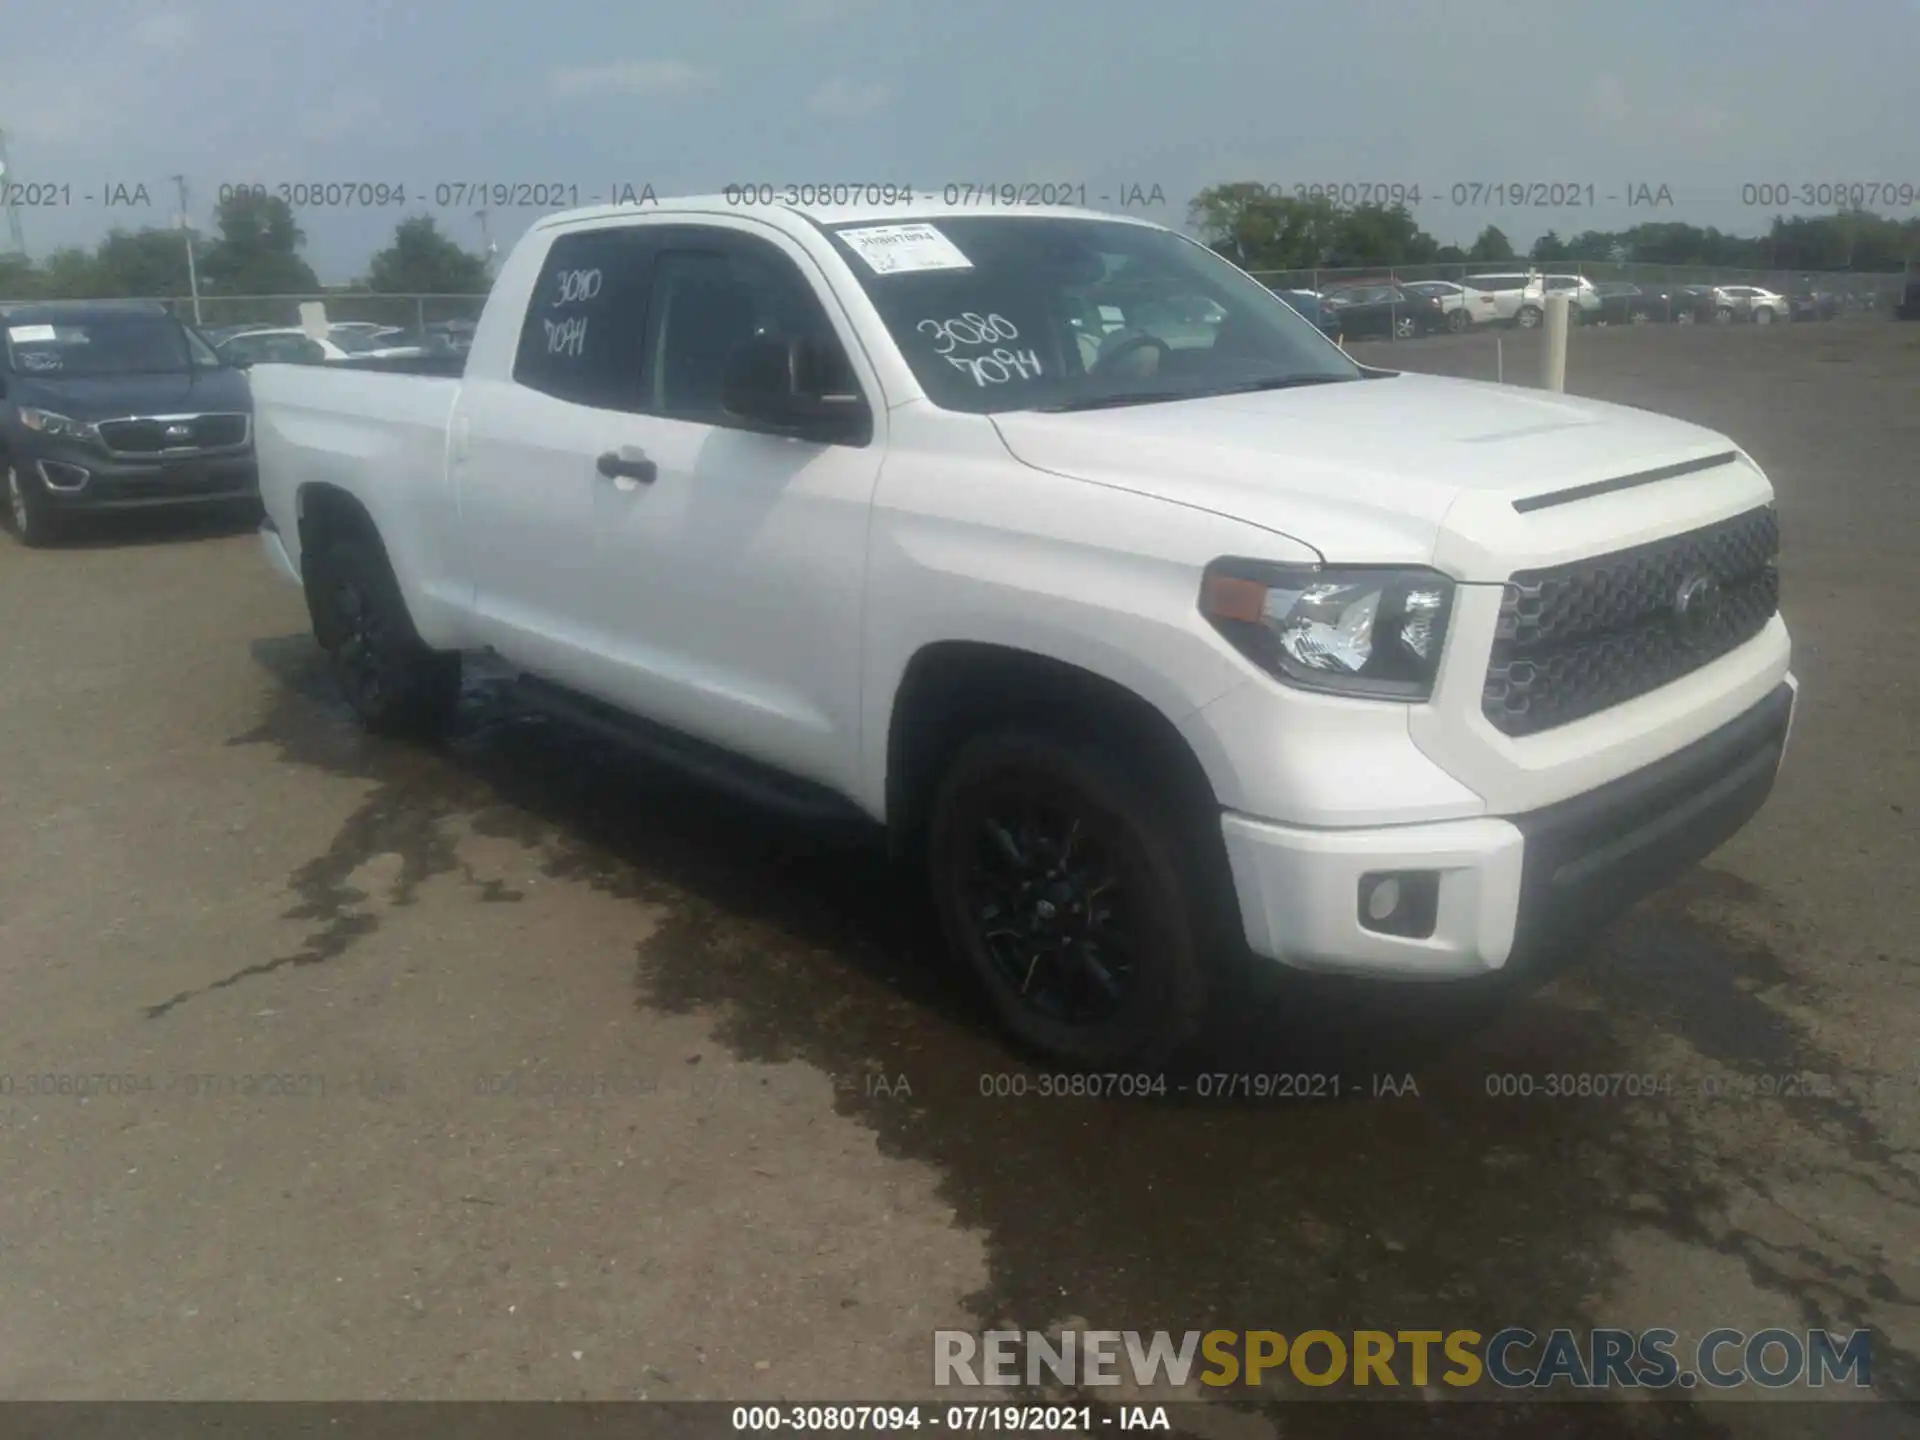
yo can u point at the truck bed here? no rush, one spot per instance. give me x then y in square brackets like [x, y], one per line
[376, 434]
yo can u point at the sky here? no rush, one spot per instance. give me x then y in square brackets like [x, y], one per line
[1703, 97]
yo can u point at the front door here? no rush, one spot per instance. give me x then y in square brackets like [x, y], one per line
[730, 564]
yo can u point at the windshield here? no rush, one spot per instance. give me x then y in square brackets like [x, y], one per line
[107, 345]
[1039, 312]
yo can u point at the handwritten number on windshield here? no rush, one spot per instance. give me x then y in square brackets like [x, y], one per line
[969, 329]
[998, 367]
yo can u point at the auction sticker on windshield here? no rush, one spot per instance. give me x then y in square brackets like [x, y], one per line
[894, 249]
[27, 334]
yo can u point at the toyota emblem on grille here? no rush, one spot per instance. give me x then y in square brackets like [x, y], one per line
[179, 432]
[1696, 607]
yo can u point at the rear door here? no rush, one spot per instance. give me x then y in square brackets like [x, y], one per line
[523, 452]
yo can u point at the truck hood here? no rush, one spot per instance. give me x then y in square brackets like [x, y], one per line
[1364, 471]
[106, 397]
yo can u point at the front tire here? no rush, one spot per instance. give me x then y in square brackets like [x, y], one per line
[1763, 317]
[1059, 880]
[1458, 322]
[394, 682]
[1528, 318]
[28, 517]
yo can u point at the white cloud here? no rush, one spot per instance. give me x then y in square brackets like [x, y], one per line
[166, 32]
[345, 113]
[44, 105]
[848, 99]
[629, 77]
[1608, 103]
[832, 12]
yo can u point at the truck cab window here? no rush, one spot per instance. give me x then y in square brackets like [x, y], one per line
[707, 302]
[581, 338]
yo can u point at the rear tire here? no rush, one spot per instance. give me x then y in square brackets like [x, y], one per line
[1060, 880]
[1458, 321]
[396, 684]
[28, 516]
[1528, 318]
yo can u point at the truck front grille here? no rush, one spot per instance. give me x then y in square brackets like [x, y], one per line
[1580, 638]
[161, 434]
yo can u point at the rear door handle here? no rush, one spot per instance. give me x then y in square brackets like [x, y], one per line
[628, 465]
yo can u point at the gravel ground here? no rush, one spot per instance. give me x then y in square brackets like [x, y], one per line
[588, 1085]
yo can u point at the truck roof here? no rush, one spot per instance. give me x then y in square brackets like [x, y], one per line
[927, 205]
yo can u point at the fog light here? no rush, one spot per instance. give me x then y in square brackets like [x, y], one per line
[58, 475]
[1384, 900]
[1400, 902]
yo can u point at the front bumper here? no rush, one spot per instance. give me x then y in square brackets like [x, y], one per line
[1511, 888]
[75, 479]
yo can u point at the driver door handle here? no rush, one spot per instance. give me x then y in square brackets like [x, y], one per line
[627, 468]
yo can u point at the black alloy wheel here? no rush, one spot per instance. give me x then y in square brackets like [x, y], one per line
[395, 683]
[1059, 881]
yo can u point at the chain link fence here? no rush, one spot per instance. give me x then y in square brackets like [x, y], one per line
[407, 312]
[1878, 293]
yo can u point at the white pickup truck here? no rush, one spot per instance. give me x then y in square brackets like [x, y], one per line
[1162, 642]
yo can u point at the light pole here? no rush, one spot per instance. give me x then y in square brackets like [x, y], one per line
[486, 239]
[186, 229]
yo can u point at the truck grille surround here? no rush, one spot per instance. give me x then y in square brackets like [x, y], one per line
[1576, 639]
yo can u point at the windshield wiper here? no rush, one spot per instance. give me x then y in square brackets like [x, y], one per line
[1111, 402]
[1155, 397]
[1283, 382]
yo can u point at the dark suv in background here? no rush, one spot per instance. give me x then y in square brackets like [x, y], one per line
[109, 407]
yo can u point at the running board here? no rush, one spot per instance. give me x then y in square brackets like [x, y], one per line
[756, 784]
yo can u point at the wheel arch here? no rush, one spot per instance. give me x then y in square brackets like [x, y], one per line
[951, 690]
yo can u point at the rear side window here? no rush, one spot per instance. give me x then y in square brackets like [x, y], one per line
[582, 336]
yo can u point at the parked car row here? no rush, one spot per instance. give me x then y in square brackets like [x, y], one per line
[1404, 310]
[243, 346]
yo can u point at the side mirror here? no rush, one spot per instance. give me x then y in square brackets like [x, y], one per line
[784, 386]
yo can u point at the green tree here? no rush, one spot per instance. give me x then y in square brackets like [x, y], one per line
[1259, 230]
[1380, 235]
[257, 251]
[142, 264]
[422, 261]
[1549, 247]
[70, 274]
[19, 279]
[1492, 244]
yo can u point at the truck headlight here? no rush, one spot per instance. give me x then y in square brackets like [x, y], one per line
[57, 427]
[1355, 630]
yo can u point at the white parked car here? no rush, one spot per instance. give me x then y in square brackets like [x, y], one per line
[282, 345]
[1161, 661]
[1750, 302]
[1519, 297]
[1498, 298]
